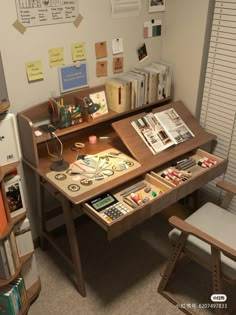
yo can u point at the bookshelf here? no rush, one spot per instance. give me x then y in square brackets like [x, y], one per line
[8, 234]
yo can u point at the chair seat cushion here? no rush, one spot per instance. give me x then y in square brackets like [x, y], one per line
[218, 223]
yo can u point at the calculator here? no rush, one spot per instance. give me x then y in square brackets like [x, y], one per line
[108, 207]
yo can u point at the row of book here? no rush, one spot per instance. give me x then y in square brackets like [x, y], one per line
[13, 297]
[139, 86]
[161, 130]
[16, 245]
[9, 259]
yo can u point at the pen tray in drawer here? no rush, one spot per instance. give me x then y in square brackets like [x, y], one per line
[157, 194]
[200, 174]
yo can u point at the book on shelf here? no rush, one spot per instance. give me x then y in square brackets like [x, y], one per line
[30, 272]
[14, 194]
[9, 255]
[3, 216]
[99, 98]
[14, 250]
[162, 130]
[13, 297]
[140, 87]
[153, 84]
[19, 282]
[145, 75]
[165, 78]
[118, 94]
[4, 268]
[133, 87]
[7, 305]
[23, 238]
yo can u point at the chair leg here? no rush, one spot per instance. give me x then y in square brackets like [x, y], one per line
[176, 254]
[217, 276]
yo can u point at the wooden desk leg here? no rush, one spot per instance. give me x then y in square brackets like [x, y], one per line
[74, 246]
[42, 215]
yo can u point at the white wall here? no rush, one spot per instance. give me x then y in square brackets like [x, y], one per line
[182, 45]
[97, 25]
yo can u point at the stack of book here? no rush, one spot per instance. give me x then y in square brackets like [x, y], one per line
[139, 86]
[13, 297]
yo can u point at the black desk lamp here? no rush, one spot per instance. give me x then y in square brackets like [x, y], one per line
[60, 164]
[90, 106]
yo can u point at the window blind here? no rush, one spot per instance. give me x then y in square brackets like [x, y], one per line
[218, 108]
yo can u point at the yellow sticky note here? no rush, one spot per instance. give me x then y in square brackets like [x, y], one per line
[34, 70]
[56, 57]
[78, 51]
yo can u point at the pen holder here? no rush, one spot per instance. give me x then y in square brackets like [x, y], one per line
[70, 115]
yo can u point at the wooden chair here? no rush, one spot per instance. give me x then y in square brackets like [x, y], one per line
[208, 236]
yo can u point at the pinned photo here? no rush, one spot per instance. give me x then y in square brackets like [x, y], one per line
[142, 53]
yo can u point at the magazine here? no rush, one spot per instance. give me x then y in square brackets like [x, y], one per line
[162, 130]
[174, 126]
[152, 133]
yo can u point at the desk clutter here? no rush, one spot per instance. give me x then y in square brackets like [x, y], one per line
[113, 206]
[90, 171]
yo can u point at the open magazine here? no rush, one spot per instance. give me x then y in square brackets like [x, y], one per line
[161, 130]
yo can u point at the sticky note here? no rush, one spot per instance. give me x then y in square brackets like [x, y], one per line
[56, 57]
[78, 51]
[34, 70]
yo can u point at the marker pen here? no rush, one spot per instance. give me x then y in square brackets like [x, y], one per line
[202, 164]
[179, 162]
[135, 199]
[213, 162]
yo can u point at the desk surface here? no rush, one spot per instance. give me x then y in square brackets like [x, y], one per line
[132, 142]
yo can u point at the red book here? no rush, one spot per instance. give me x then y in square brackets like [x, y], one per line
[3, 217]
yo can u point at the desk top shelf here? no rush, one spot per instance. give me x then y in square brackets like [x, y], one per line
[39, 113]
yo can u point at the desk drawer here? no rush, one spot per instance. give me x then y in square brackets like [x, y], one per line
[200, 175]
[161, 195]
[170, 193]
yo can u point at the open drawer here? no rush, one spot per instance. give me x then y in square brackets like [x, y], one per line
[162, 193]
[199, 168]
[135, 201]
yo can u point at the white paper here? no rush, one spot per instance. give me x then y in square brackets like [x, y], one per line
[43, 12]
[125, 8]
[117, 46]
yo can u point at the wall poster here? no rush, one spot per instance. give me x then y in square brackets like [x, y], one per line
[44, 12]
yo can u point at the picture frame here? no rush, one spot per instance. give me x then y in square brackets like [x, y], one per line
[73, 77]
[157, 5]
[14, 195]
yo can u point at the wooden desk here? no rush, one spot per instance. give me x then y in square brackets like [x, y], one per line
[123, 137]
